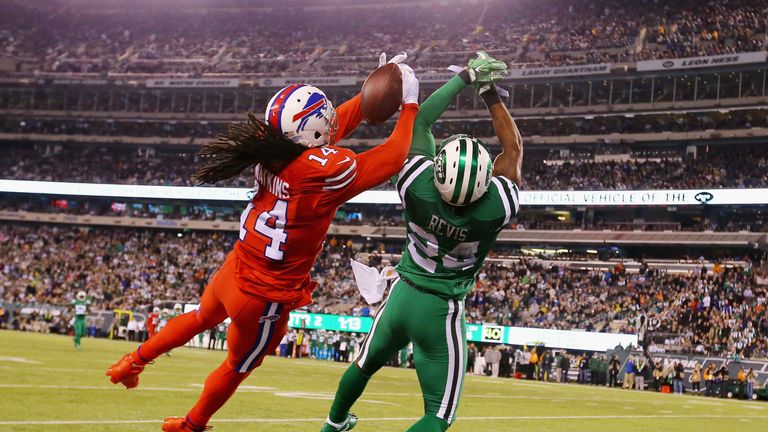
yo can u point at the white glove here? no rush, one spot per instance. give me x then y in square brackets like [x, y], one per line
[410, 85]
[410, 82]
[399, 58]
[370, 282]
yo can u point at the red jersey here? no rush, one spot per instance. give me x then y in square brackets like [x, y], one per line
[284, 226]
[153, 320]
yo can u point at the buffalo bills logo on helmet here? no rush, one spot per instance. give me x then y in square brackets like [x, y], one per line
[315, 107]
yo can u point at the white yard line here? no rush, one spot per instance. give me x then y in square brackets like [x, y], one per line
[475, 378]
[65, 387]
[329, 395]
[98, 371]
[393, 419]
[243, 389]
[239, 388]
[18, 360]
[121, 388]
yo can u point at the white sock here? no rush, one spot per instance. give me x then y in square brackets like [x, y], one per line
[336, 425]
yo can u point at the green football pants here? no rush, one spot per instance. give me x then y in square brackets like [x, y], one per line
[79, 330]
[436, 327]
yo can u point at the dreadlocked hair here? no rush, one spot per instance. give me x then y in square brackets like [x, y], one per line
[244, 145]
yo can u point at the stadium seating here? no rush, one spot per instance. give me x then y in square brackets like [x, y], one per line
[715, 167]
[113, 39]
[76, 106]
[714, 312]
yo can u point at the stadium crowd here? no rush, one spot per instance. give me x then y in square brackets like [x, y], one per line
[715, 27]
[479, 127]
[713, 167]
[744, 167]
[95, 164]
[722, 311]
[718, 312]
[113, 38]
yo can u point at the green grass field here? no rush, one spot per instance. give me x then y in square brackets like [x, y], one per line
[48, 386]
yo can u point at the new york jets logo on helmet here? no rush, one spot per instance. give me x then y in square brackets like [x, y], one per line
[462, 170]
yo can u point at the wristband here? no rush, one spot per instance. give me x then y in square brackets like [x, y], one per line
[491, 96]
[464, 75]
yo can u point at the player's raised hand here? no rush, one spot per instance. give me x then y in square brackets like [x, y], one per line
[485, 70]
[397, 59]
[410, 84]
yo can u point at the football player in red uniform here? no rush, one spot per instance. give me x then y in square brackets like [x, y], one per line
[301, 179]
[153, 320]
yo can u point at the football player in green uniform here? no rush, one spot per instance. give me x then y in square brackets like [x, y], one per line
[80, 304]
[168, 315]
[456, 203]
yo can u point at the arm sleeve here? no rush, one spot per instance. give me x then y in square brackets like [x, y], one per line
[415, 184]
[375, 166]
[423, 142]
[349, 115]
[503, 201]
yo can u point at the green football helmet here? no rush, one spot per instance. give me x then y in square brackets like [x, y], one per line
[463, 169]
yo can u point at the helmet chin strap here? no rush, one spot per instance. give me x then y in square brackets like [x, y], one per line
[333, 126]
[296, 138]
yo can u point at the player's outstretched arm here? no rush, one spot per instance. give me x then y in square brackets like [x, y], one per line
[509, 162]
[387, 159]
[480, 71]
[349, 116]
[423, 143]
[375, 166]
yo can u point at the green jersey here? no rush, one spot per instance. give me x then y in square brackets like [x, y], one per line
[446, 245]
[81, 308]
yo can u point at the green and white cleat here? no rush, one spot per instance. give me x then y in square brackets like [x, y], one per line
[348, 424]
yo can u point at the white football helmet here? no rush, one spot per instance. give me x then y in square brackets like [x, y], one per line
[462, 170]
[303, 114]
[156, 310]
[81, 295]
[177, 308]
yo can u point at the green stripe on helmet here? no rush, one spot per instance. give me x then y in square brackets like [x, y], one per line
[462, 162]
[473, 173]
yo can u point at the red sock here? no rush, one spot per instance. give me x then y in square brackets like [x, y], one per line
[176, 333]
[219, 387]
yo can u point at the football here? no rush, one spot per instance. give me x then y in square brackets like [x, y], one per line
[382, 94]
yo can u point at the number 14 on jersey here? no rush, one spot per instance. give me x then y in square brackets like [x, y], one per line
[269, 224]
